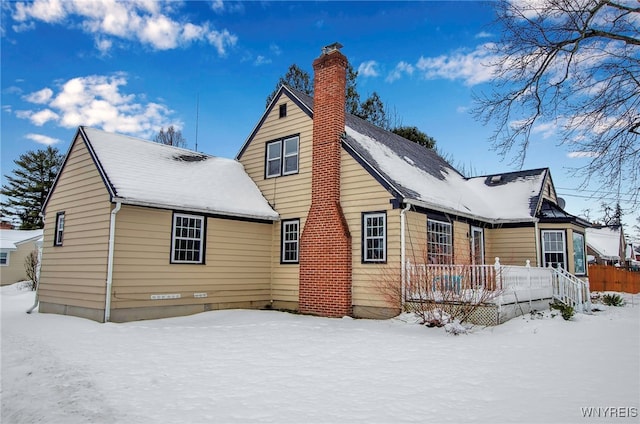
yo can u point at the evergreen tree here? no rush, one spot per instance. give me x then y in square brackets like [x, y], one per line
[28, 187]
[415, 135]
[171, 137]
[372, 110]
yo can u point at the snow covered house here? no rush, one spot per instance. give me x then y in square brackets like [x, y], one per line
[606, 245]
[317, 209]
[15, 246]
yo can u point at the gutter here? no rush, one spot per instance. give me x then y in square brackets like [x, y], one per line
[112, 237]
[403, 255]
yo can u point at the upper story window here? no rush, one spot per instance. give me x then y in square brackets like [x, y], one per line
[374, 237]
[282, 157]
[187, 243]
[59, 232]
[283, 110]
[439, 242]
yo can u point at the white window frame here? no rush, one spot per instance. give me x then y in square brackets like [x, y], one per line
[59, 231]
[546, 251]
[280, 156]
[6, 255]
[374, 245]
[178, 241]
[439, 242]
[290, 227]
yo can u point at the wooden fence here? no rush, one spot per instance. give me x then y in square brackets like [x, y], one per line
[610, 278]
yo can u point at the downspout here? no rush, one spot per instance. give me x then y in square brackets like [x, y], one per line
[112, 237]
[403, 255]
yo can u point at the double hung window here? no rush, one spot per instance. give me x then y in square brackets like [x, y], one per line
[374, 237]
[439, 242]
[187, 243]
[554, 248]
[290, 241]
[282, 157]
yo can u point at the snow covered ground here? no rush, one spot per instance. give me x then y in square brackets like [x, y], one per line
[262, 366]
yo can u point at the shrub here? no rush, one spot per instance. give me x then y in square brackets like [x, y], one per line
[566, 311]
[612, 299]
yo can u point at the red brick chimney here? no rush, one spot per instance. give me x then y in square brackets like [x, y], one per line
[325, 244]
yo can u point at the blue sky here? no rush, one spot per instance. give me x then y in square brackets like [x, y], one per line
[134, 67]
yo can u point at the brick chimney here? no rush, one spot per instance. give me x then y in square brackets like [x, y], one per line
[325, 244]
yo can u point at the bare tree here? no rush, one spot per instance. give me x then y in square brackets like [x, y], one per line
[31, 266]
[171, 137]
[573, 66]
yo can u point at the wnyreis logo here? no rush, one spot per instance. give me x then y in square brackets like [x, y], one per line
[609, 412]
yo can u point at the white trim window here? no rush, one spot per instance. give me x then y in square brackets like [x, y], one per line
[290, 247]
[439, 242]
[374, 237]
[4, 258]
[59, 231]
[554, 248]
[187, 242]
[282, 157]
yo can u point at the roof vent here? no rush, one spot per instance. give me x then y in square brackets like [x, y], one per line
[191, 158]
[496, 179]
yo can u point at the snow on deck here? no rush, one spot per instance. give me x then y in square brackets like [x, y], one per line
[153, 174]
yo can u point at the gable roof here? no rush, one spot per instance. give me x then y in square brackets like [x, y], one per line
[144, 173]
[10, 239]
[419, 176]
[605, 241]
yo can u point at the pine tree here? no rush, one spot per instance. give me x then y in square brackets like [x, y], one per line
[415, 135]
[28, 187]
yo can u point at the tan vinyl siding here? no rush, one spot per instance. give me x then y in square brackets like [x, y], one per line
[75, 273]
[15, 271]
[236, 265]
[461, 243]
[360, 192]
[290, 195]
[514, 246]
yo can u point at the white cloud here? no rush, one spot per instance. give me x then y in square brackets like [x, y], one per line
[483, 34]
[97, 101]
[401, 68]
[574, 155]
[40, 97]
[42, 139]
[471, 67]
[275, 49]
[368, 69]
[261, 60]
[146, 21]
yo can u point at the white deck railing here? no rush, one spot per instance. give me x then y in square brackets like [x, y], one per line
[508, 284]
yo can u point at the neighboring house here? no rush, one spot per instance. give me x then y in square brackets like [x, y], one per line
[606, 245]
[319, 208]
[15, 246]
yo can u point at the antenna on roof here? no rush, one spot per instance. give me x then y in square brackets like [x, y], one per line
[197, 113]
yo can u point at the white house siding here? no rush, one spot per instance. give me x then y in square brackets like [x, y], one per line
[72, 279]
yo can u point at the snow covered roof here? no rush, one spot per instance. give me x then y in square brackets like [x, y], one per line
[605, 241]
[419, 176]
[144, 173]
[9, 239]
